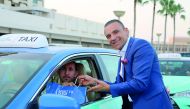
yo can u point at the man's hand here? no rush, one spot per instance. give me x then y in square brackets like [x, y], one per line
[86, 80]
[95, 84]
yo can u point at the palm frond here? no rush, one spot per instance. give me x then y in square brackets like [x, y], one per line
[183, 17]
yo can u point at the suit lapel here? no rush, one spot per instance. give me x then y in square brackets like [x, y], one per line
[129, 47]
[119, 79]
[127, 56]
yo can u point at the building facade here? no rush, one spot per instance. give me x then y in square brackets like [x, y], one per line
[182, 44]
[30, 16]
[59, 28]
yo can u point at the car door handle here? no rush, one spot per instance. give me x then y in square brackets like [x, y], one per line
[106, 97]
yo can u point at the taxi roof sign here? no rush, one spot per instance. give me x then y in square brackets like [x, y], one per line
[23, 41]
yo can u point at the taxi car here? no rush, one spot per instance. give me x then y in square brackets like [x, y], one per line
[28, 63]
[176, 75]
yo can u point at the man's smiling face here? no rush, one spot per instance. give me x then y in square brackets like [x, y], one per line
[117, 35]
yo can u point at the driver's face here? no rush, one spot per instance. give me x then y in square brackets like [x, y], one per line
[69, 73]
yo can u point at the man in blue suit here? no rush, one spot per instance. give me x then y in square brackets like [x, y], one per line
[139, 78]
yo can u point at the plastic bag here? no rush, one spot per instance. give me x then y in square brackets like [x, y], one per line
[76, 92]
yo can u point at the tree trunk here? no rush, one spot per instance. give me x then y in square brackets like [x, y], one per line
[135, 3]
[165, 28]
[153, 18]
[174, 34]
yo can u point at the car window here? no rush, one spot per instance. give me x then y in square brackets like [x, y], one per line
[175, 67]
[185, 54]
[16, 69]
[90, 68]
[111, 65]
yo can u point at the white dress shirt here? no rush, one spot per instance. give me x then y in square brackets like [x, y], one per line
[122, 54]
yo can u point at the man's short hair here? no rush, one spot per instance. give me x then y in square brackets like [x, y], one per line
[80, 68]
[63, 67]
[113, 21]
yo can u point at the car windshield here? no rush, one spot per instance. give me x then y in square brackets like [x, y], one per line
[16, 69]
[175, 68]
[185, 54]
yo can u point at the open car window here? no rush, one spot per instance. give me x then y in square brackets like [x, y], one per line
[90, 68]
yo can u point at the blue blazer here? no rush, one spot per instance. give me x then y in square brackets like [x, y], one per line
[143, 81]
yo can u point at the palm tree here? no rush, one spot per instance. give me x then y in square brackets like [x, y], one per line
[174, 10]
[135, 4]
[158, 35]
[153, 19]
[166, 9]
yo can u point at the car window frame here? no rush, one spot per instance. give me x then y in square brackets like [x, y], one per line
[37, 94]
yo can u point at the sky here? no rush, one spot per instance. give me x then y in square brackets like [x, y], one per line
[102, 10]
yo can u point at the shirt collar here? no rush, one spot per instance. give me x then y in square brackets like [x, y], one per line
[124, 49]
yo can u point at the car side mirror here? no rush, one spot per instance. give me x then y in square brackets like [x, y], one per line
[53, 101]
